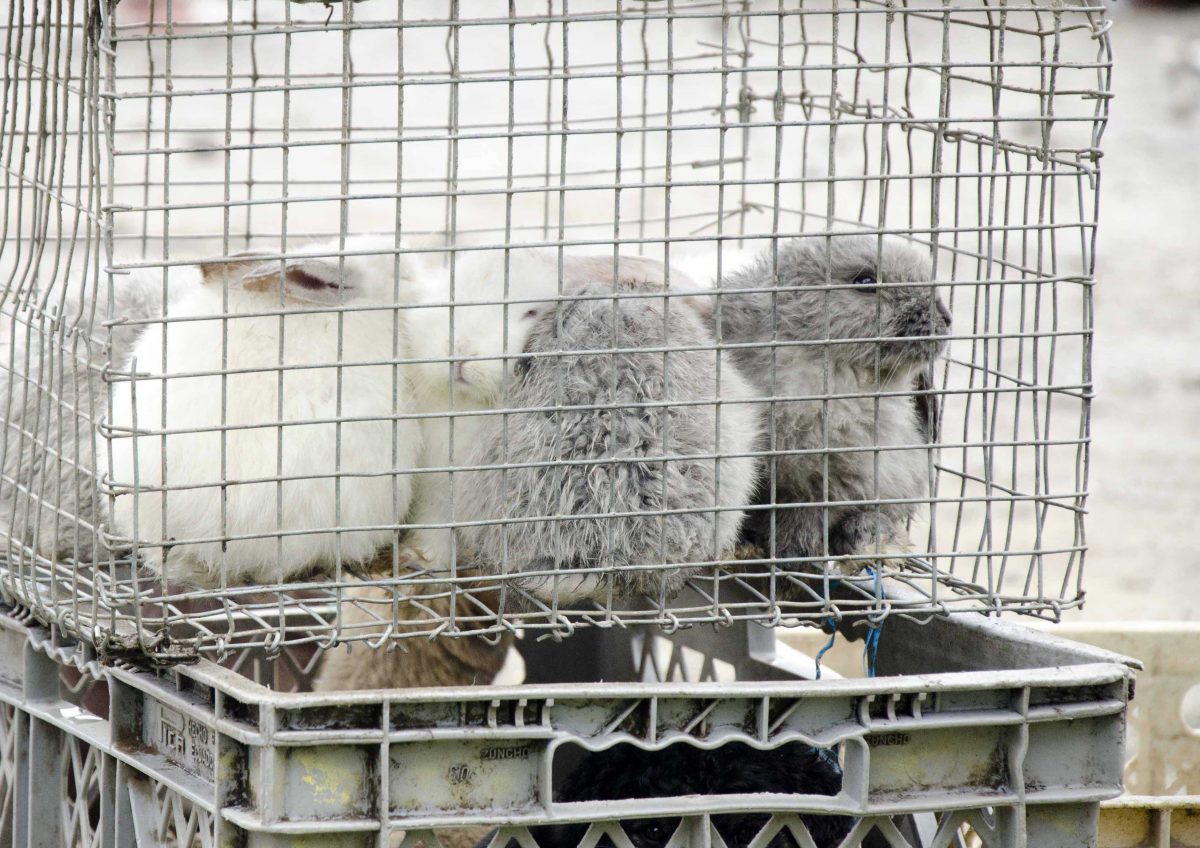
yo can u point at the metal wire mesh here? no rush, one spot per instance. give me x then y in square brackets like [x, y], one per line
[141, 140]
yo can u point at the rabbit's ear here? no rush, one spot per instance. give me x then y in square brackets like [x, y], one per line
[308, 279]
[232, 269]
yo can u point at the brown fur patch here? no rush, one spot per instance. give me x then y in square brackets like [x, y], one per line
[305, 280]
[232, 267]
[264, 283]
[418, 661]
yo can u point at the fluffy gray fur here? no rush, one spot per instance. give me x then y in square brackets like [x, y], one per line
[594, 406]
[52, 395]
[888, 335]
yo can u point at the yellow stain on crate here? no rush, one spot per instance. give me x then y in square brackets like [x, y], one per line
[908, 762]
[1185, 826]
[333, 778]
[1157, 824]
[228, 763]
[327, 840]
[1124, 828]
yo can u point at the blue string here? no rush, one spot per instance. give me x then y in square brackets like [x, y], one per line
[871, 648]
[832, 638]
[871, 643]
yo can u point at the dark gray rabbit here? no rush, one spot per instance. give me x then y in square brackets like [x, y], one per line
[52, 395]
[874, 299]
[634, 475]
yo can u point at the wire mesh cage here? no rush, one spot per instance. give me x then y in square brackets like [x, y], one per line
[387, 320]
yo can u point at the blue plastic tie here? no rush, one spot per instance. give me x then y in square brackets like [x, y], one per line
[832, 622]
[832, 638]
[871, 642]
[871, 648]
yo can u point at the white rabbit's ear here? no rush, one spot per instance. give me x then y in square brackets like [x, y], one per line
[309, 279]
[232, 269]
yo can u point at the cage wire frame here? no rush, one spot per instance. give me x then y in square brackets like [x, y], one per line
[971, 128]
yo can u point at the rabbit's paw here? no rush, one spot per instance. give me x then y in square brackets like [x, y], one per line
[872, 540]
[434, 547]
[553, 583]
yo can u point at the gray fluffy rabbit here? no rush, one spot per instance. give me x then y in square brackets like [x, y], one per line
[52, 395]
[875, 299]
[634, 476]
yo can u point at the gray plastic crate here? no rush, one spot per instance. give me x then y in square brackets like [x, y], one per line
[975, 727]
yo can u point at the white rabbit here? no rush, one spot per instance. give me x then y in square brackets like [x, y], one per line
[52, 393]
[477, 353]
[200, 452]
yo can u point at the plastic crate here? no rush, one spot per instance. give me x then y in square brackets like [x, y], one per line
[1161, 804]
[977, 727]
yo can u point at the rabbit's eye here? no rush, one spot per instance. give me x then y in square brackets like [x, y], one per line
[522, 366]
[651, 830]
[867, 280]
[530, 313]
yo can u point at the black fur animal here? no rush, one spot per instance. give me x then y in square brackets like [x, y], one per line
[625, 771]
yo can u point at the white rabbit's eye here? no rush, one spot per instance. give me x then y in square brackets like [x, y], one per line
[530, 313]
[867, 280]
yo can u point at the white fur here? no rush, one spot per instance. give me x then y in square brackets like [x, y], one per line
[480, 319]
[52, 393]
[695, 271]
[199, 516]
[445, 389]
